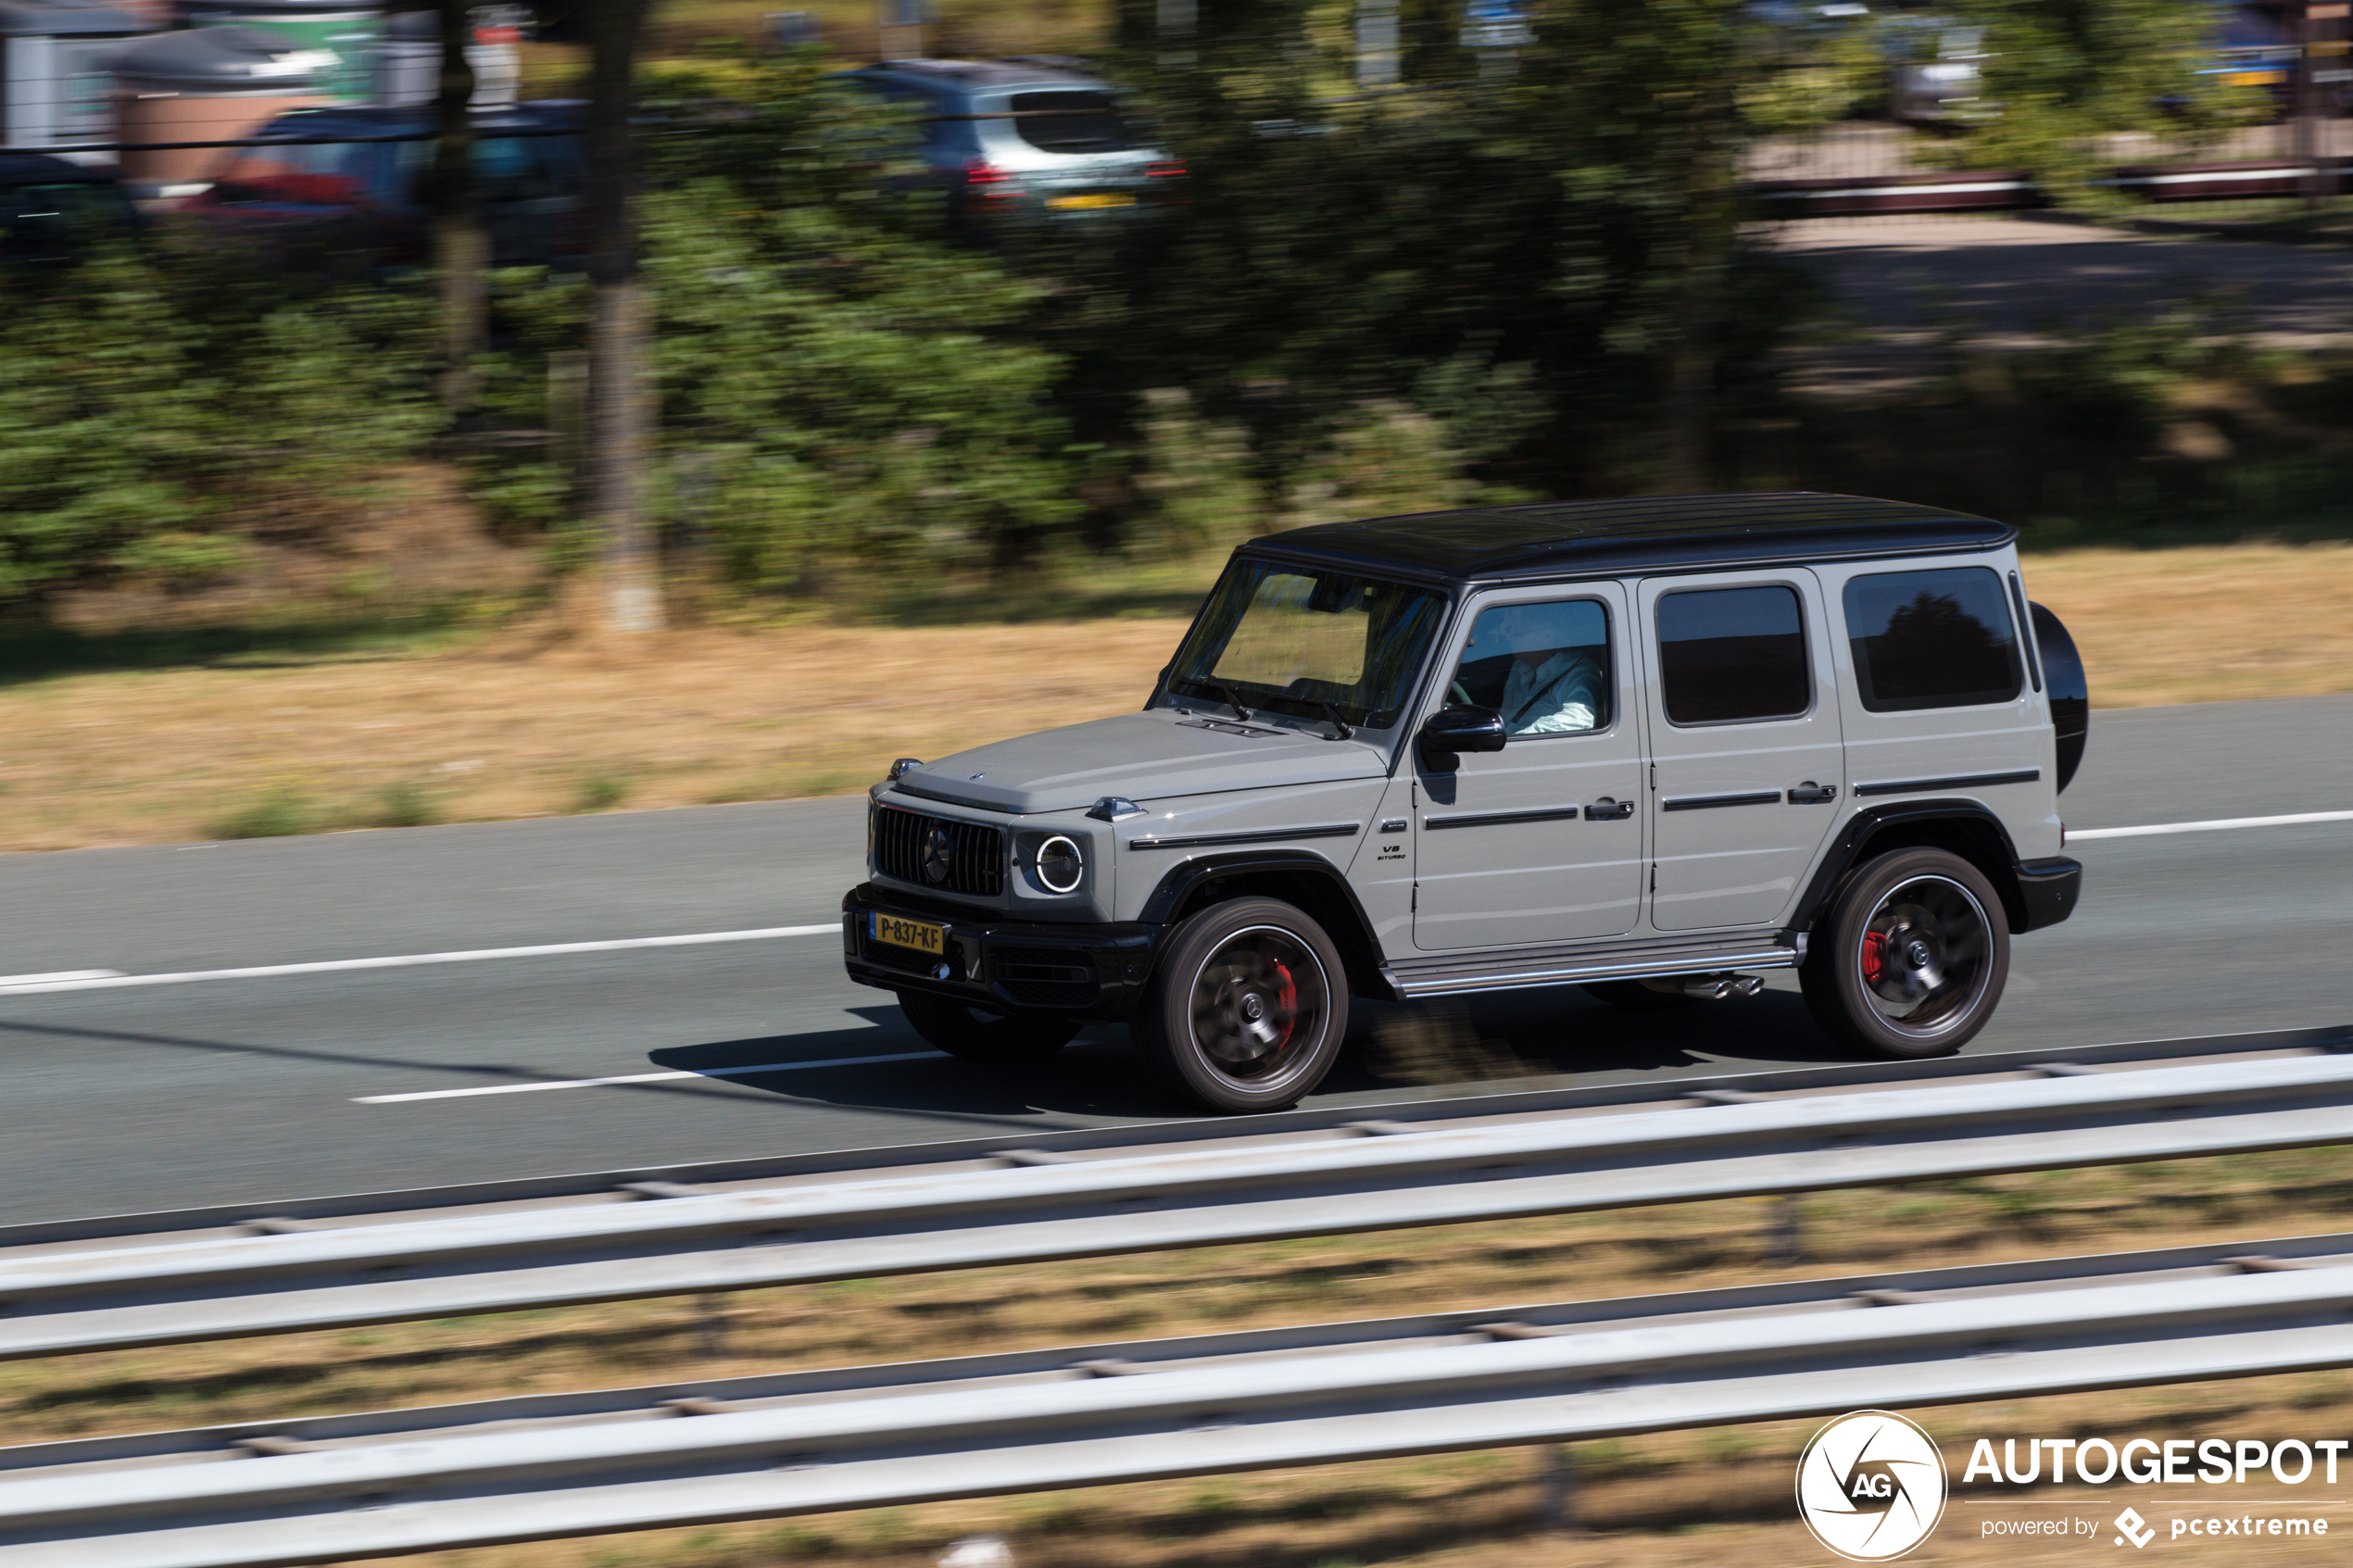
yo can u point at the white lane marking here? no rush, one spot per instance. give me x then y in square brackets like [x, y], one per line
[54, 975]
[102, 980]
[2217, 825]
[642, 1078]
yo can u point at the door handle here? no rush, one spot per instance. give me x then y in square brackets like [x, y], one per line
[1811, 794]
[1606, 810]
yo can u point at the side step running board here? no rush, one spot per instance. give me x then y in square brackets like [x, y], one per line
[1503, 973]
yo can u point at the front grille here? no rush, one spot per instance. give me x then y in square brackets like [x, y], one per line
[974, 852]
[1042, 976]
[889, 954]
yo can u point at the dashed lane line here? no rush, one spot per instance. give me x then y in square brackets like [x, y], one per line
[106, 980]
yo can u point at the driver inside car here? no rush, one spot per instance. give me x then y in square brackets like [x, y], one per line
[1550, 690]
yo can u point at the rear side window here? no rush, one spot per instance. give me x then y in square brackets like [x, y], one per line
[1729, 656]
[1069, 122]
[1932, 639]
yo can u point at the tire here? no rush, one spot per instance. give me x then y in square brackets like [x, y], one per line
[1248, 1007]
[1633, 995]
[1912, 959]
[985, 1035]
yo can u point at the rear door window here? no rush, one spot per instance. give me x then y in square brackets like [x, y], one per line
[1932, 639]
[1730, 656]
[1069, 121]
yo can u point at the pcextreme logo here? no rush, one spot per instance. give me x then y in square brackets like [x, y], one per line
[1871, 1485]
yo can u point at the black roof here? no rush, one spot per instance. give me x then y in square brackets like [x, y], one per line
[1031, 73]
[1645, 534]
[361, 121]
[40, 169]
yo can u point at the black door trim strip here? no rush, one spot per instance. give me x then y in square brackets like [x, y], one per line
[1482, 819]
[1964, 780]
[1702, 802]
[1259, 835]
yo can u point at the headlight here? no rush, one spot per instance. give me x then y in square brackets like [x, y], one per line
[1060, 864]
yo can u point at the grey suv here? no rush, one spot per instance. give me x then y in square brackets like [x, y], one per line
[1646, 746]
[1017, 140]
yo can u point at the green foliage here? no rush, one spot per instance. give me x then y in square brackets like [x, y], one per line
[599, 789]
[155, 415]
[1389, 457]
[404, 804]
[1197, 474]
[280, 814]
[2066, 73]
[1521, 260]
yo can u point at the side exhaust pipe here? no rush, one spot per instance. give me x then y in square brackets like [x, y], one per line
[1716, 988]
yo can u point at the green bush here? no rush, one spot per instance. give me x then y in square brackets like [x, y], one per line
[157, 411]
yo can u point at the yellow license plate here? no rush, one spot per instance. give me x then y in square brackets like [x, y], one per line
[921, 935]
[1093, 199]
[2254, 78]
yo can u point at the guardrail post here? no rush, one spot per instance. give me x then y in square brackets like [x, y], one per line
[1789, 1231]
[1556, 1499]
[712, 1327]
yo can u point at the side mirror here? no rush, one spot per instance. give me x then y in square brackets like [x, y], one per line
[1452, 729]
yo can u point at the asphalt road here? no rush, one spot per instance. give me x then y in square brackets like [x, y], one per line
[237, 1090]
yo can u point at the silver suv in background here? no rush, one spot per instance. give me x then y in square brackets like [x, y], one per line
[1015, 140]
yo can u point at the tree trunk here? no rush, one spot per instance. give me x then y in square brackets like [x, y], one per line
[616, 420]
[460, 248]
[1711, 224]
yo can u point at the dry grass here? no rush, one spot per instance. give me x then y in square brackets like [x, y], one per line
[506, 729]
[520, 725]
[2205, 624]
[1680, 1500]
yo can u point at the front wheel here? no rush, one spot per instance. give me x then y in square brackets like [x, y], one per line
[1248, 1007]
[1913, 956]
[985, 1035]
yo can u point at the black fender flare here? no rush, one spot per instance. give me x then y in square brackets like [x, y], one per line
[1303, 876]
[1981, 839]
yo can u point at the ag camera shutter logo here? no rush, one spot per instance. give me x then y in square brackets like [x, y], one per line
[1871, 1485]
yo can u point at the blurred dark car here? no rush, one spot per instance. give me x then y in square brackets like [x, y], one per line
[2258, 46]
[292, 176]
[1013, 140]
[53, 211]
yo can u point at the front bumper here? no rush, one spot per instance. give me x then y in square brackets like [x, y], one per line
[2049, 889]
[1079, 970]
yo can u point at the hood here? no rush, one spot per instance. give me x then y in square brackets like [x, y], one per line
[1150, 756]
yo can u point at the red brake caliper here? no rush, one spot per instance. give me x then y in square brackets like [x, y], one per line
[1874, 954]
[1286, 1002]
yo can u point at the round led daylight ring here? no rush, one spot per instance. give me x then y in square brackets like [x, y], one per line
[1060, 855]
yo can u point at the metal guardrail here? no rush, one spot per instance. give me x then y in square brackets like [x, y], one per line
[1197, 1184]
[338, 1487]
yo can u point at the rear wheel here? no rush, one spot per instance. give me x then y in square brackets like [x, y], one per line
[985, 1035]
[1913, 957]
[1248, 1007]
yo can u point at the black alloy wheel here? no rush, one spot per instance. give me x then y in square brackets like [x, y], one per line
[1913, 957]
[985, 1035]
[1248, 1007]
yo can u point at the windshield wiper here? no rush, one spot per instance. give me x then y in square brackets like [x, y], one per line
[1229, 695]
[1346, 729]
[1218, 689]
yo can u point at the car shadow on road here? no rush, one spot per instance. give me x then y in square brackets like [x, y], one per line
[1410, 1051]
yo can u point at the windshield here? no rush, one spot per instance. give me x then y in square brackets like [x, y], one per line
[1291, 638]
[1069, 122]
